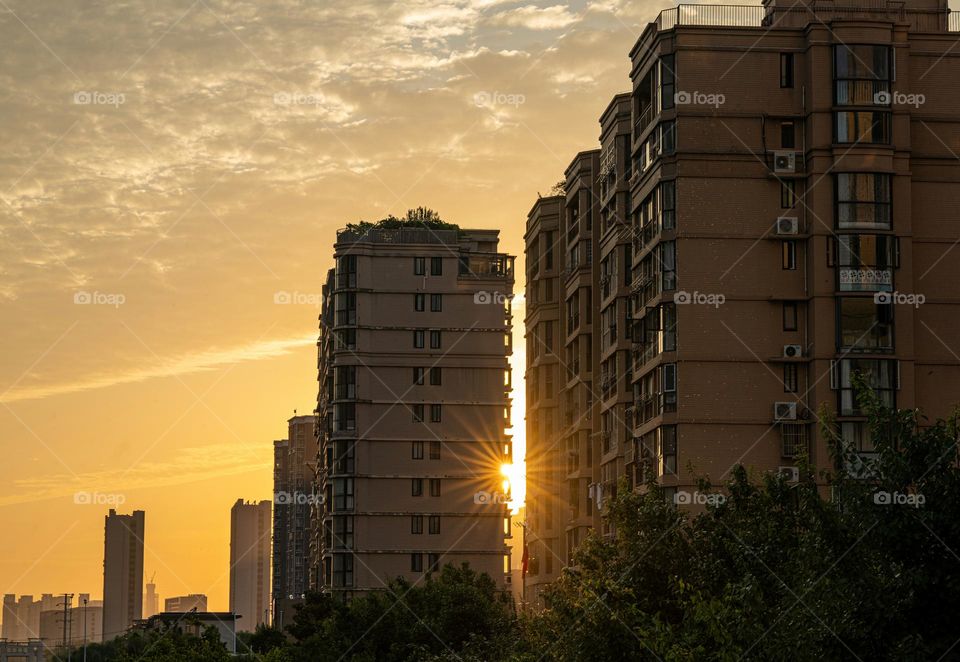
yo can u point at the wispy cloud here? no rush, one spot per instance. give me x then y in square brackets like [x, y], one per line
[173, 367]
[188, 465]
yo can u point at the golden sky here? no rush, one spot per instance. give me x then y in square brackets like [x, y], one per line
[177, 163]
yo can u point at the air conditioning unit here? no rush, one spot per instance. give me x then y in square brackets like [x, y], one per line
[788, 225]
[784, 162]
[508, 579]
[792, 474]
[792, 351]
[785, 411]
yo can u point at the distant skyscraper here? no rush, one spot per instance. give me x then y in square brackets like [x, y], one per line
[11, 629]
[184, 603]
[293, 477]
[151, 601]
[122, 572]
[250, 563]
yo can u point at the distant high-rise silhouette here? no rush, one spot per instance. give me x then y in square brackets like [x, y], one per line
[122, 572]
[250, 563]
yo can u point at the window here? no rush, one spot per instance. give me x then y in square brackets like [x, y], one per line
[347, 271]
[418, 339]
[419, 266]
[416, 450]
[863, 200]
[788, 193]
[416, 524]
[345, 377]
[864, 126]
[864, 325]
[416, 563]
[668, 263]
[436, 266]
[793, 439]
[434, 450]
[343, 532]
[669, 373]
[861, 74]
[417, 413]
[667, 440]
[882, 375]
[436, 303]
[786, 70]
[416, 487]
[418, 376]
[434, 524]
[790, 378]
[787, 135]
[342, 570]
[789, 250]
[435, 413]
[434, 340]
[433, 562]
[346, 338]
[419, 302]
[434, 487]
[436, 376]
[346, 309]
[864, 262]
[345, 416]
[344, 456]
[789, 315]
[342, 494]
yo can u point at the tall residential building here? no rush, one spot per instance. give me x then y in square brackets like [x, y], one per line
[122, 572]
[414, 402]
[785, 184]
[293, 478]
[21, 616]
[84, 622]
[184, 603]
[250, 563]
[151, 600]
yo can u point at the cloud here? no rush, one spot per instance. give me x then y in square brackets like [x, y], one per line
[173, 367]
[532, 17]
[188, 465]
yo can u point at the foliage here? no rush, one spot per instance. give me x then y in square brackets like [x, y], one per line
[857, 563]
[421, 217]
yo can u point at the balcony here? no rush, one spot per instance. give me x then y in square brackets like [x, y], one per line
[486, 265]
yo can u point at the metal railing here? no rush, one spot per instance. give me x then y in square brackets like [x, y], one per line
[757, 16]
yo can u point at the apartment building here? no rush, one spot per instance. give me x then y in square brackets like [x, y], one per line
[294, 469]
[791, 184]
[123, 543]
[414, 402]
[249, 564]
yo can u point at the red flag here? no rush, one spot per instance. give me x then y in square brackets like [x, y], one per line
[525, 559]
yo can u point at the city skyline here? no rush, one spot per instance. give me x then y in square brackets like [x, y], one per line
[492, 73]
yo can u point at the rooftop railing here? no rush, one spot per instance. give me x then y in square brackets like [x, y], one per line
[398, 236]
[756, 16]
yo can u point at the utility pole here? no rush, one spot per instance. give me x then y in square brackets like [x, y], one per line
[67, 600]
[84, 630]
